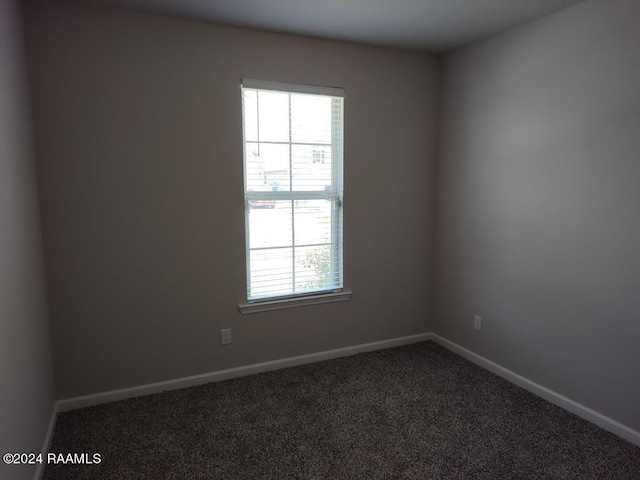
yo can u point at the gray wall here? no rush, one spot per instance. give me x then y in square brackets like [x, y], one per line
[26, 376]
[539, 202]
[139, 148]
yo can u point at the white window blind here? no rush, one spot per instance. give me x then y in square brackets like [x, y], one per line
[293, 187]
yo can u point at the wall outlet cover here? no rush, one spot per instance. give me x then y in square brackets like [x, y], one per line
[225, 336]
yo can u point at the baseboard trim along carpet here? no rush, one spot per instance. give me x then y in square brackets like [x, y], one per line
[195, 380]
[576, 408]
[47, 441]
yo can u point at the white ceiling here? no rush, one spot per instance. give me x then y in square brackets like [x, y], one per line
[437, 25]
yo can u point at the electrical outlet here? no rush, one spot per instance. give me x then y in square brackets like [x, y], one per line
[225, 336]
[477, 323]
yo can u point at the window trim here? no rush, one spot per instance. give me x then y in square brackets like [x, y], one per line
[336, 197]
[293, 87]
[300, 300]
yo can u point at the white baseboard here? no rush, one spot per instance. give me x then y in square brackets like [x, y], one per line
[47, 441]
[576, 408]
[192, 381]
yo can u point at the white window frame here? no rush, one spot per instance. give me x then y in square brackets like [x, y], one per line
[337, 293]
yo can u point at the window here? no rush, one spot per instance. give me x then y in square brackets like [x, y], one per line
[293, 189]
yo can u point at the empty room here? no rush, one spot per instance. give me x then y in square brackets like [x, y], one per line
[356, 239]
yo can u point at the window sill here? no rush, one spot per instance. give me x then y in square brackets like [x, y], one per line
[268, 305]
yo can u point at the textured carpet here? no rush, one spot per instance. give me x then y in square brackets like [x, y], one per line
[414, 412]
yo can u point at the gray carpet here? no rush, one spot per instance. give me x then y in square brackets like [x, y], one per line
[414, 412]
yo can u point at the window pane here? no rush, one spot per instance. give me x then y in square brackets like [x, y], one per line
[312, 222]
[270, 223]
[273, 113]
[314, 268]
[251, 115]
[310, 119]
[267, 167]
[311, 167]
[271, 272]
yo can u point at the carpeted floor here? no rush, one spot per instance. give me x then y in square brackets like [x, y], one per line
[414, 412]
